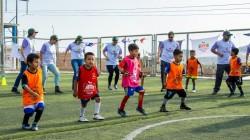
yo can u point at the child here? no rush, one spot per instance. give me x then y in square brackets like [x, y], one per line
[174, 82]
[86, 87]
[32, 92]
[131, 70]
[234, 78]
[192, 69]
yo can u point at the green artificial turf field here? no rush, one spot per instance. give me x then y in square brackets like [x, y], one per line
[59, 120]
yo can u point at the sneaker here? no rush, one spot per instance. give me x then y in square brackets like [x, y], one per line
[83, 119]
[185, 107]
[141, 110]
[109, 88]
[34, 127]
[214, 92]
[98, 117]
[14, 90]
[122, 113]
[193, 90]
[116, 87]
[163, 90]
[163, 109]
[230, 95]
[26, 127]
[242, 95]
[57, 90]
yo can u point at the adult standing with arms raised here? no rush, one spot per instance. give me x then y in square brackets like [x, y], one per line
[26, 48]
[77, 55]
[48, 59]
[112, 53]
[165, 55]
[222, 49]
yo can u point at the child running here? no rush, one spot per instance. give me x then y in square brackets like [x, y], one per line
[32, 92]
[235, 78]
[86, 87]
[192, 70]
[131, 70]
[174, 82]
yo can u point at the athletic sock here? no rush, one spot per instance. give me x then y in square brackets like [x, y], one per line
[97, 108]
[123, 103]
[140, 99]
[38, 115]
[165, 101]
[26, 118]
[183, 101]
[82, 111]
[193, 80]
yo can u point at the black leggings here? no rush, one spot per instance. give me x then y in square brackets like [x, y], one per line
[111, 69]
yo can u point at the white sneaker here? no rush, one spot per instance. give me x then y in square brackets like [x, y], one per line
[98, 117]
[193, 91]
[83, 119]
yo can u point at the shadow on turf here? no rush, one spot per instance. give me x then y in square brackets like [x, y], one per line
[92, 123]
[193, 98]
[236, 123]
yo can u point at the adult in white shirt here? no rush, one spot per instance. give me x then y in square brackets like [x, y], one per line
[48, 60]
[26, 48]
[165, 56]
[77, 49]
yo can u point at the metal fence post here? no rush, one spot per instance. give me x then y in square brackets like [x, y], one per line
[125, 48]
[99, 53]
[187, 49]
[154, 51]
[2, 37]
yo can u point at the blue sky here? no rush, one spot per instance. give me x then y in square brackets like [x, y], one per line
[70, 26]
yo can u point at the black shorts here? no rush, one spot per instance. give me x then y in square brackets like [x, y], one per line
[170, 93]
[235, 79]
[85, 101]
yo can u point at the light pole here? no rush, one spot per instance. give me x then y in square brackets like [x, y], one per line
[1, 36]
[16, 29]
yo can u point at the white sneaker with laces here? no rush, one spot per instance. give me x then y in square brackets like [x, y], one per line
[83, 119]
[193, 91]
[98, 117]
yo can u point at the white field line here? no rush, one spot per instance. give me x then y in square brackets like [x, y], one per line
[137, 131]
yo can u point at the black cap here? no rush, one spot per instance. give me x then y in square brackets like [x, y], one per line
[170, 33]
[54, 37]
[79, 38]
[227, 33]
[114, 38]
[32, 31]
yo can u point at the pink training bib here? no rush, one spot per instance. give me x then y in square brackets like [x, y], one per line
[133, 68]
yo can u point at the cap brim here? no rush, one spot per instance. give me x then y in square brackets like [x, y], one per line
[228, 34]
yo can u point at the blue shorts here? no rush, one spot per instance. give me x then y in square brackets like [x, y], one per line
[34, 107]
[131, 90]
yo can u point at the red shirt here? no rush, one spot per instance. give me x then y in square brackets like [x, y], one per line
[87, 83]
